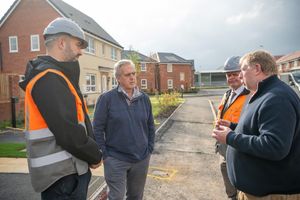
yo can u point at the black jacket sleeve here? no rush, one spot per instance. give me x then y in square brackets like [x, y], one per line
[57, 105]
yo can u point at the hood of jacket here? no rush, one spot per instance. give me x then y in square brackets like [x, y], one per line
[70, 69]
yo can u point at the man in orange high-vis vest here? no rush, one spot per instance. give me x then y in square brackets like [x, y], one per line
[59, 136]
[230, 109]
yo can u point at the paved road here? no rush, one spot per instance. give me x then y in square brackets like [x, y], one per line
[184, 165]
[12, 137]
[17, 186]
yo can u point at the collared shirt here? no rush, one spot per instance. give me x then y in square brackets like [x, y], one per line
[136, 93]
[238, 92]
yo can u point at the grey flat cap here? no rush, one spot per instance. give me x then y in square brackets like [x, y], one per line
[232, 64]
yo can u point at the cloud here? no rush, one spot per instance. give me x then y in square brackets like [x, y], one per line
[252, 14]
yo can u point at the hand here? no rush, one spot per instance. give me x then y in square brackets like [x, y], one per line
[95, 166]
[223, 122]
[220, 133]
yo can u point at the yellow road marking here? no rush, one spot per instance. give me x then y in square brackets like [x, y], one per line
[161, 173]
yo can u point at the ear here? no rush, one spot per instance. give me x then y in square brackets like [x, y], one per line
[118, 79]
[258, 69]
[61, 43]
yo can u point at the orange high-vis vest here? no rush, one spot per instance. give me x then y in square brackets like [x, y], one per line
[234, 111]
[47, 161]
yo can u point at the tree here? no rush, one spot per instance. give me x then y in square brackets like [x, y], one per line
[135, 58]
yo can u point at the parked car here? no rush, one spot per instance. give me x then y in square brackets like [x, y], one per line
[292, 78]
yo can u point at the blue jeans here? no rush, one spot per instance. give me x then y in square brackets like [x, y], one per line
[69, 187]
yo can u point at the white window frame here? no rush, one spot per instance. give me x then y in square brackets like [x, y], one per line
[181, 75]
[295, 63]
[91, 45]
[143, 67]
[170, 83]
[21, 78]
[32, 37]
[114, 82]
[144, 85]
[113, 53]
[10, 39]
[90, 86]
[169, 67]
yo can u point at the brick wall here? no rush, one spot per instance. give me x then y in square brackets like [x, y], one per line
[10, 83]
[175, 76]
[149, 74]
[28, 18]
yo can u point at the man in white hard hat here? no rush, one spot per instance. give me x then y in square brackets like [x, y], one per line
[59, 135]
[230, 109]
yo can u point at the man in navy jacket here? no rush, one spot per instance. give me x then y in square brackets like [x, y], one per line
[263, 155]
[124, 130]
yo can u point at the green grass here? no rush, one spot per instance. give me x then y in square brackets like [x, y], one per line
[12, 150]
[7, 123]
[154, 102]
[155, 105]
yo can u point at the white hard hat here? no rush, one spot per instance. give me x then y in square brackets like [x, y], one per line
[67, 26]
[232, 64]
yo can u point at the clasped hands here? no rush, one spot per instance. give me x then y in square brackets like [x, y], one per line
[221, 130]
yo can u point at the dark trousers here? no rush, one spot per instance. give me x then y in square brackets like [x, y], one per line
[125, 179]
[69, 187]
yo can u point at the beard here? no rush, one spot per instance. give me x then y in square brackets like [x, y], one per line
[69, 55]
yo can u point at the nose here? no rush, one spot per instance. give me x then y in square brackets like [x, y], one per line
[240, 75]
[79, 52]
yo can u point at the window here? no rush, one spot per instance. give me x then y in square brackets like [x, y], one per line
[35, 42]
[21, 78]
[114, 82]
[103, 49]
[143, 67]
[90, 80]
[113, 53]
[13, 44]
[103, 83]
[181, 76]
[170, 83]
[91, 45]
[169, 68]
[143, 83]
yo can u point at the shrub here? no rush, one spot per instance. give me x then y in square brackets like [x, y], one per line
[168, 102]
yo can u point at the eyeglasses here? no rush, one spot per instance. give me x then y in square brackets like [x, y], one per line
[128, 75]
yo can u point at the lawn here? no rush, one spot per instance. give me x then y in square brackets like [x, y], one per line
[12, 150]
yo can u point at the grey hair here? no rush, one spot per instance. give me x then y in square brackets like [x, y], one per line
[119, 64]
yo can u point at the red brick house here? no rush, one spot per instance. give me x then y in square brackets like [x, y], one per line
[163, 72]
[175, 72]
[147, 77]
[21, 39]
[289, 62]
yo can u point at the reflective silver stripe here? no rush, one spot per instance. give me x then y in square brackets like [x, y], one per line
[39, 134]
[50, 159]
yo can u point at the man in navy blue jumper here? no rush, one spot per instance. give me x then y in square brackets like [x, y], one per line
[124, 130]
[263, 155]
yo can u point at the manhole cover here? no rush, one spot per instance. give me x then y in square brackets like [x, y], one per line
[161, 173]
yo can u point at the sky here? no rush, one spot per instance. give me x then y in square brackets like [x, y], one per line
[208, 31]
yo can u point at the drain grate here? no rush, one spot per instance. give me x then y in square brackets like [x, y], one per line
[161, 173]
